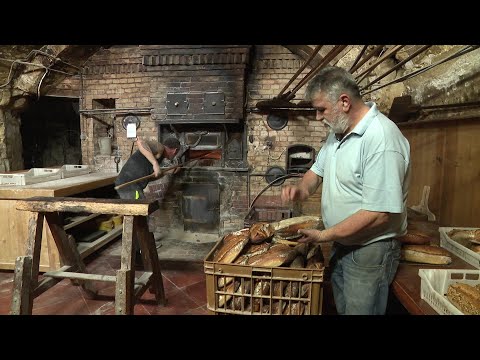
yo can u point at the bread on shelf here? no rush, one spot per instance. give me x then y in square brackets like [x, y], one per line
[425, 254]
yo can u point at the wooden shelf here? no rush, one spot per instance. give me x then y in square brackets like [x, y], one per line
[86, 249]
[79, 220]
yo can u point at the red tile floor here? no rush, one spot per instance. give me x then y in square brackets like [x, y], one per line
[183, 281]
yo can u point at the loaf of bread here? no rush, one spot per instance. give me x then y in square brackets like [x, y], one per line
[288, 228]
[415, 237]
[475, 248]
[466, 298]
[425, 254]
[277, 255]
[232, 246]
[260, 231]
[464, 234]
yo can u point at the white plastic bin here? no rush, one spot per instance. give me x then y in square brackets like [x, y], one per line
[461, 251]
[32, 176]
[74, 170]
[435, 283]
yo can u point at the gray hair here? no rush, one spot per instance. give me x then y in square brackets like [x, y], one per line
[171, 143]
[333, 81]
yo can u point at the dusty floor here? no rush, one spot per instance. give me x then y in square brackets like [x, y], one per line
[185, 246]
[181, 260]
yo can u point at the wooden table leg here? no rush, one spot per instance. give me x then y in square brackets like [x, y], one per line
[68, 251]
[26, 268]
[124, 290]
[22, 297]
[150, 256]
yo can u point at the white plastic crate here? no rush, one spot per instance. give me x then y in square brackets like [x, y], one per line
[32, 176]
[461, 251]
[68, 171]
[435, 283]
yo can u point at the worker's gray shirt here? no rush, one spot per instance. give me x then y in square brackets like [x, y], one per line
[368, 169]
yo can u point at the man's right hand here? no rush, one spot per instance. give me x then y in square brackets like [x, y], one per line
[156, 170]
[293, 193]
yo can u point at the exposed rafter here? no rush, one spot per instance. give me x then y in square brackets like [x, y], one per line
[304, 52]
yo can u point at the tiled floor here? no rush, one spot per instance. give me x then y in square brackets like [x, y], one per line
[183, 281]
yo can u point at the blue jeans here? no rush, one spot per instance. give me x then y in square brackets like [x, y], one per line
[361, 276]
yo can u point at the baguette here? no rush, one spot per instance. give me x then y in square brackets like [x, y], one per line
[288, 228]
[415, 238]
[232, 246]
[475, 248]
[260, 231]
[277, 255]
[298, 262]
[465, 297]
[294, 309]
[425, 254]
[464, 234]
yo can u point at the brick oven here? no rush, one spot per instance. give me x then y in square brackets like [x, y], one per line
[199, 98]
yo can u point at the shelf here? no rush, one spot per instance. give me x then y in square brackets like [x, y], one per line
[79, 220]
[86, 249]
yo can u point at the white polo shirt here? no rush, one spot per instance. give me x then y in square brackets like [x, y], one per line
[368, 169]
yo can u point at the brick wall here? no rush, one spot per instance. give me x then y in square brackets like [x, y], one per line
[273, 67]
[115, 73]
[141, 76]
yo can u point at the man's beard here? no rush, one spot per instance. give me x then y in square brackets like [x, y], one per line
[339, 123]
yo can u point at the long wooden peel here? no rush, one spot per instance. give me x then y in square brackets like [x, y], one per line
[134, 181]
[164, 170]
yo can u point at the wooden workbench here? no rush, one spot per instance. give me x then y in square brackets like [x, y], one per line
[13, 223]
[406, 285]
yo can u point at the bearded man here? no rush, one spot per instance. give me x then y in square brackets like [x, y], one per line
[365, 169]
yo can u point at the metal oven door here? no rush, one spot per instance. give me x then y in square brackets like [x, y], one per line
[204, 140]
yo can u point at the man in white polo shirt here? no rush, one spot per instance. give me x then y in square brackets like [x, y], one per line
[365, 169]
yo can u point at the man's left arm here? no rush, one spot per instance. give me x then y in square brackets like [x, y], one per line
[353, 228]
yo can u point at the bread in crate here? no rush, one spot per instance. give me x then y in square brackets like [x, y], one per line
[462, 241]
[465, 297]
[446, 292]
[464, 234]
[246, 277]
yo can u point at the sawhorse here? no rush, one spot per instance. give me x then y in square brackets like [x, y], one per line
[135, 228]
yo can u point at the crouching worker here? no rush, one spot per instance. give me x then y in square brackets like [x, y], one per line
[145, 161]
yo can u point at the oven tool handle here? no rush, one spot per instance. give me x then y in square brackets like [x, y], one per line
[287, 176]
[162, 172]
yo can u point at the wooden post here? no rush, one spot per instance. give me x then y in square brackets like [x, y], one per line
[22, 298]
[124, 299]
[150, 256]
[68, 251]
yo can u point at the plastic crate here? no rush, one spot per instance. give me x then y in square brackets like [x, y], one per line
[68, 171]
[222, 299]
[266, 214]
[458, 249]
[32, 176]
[435, 283]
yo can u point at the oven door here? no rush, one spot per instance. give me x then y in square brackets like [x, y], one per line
[204, 140]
